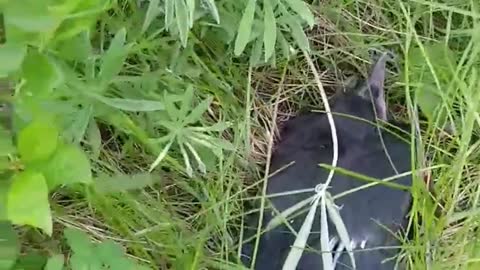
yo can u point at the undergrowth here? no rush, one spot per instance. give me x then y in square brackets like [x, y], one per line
[146, 124]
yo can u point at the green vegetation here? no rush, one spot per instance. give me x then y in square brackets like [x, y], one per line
[146, 124]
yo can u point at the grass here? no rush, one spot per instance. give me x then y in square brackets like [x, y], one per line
[193, 223]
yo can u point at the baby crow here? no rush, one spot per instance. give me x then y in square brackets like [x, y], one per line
[371, 215]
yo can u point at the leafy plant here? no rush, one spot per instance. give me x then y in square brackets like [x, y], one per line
[272, 26]
[46, 164]
[432, 79]
[88, 255]
[180, 130]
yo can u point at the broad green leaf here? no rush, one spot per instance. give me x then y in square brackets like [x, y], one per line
[212, 7]
[30, 16]
[6, 143]
[82, 262]
[123, 264]
[9, 245]
[94, 138]
[171, 109]
[245, 27]
[256, 53]
[428, 94]
[27, 202]
[77, 48]
[430, 101]
[113, 59]
[284, 45]
[68, 165]
[79, 242]
[131, 105]
[40, 81]
[191, 11]
[196, 114]
[65, 8]
[181, 16]
[75, 124]
[270, 29]
[123, 182]
[37, 141]
[11, 56]
[186, 102]
[302, 9]
[169, 11]
[71, 28]
[152, 12]
[298, 34]
[4, 187]
[109, 251]
[31, 261]
[55, 262]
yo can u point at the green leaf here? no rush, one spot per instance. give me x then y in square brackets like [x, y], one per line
[79, 242]
[6, 143]
[245, 28]
[324, 237]
[152, 12]
[186, 160]
[340, 227]
[113, 59]
[31, 261]
[123, 182]
[296, 251]
[430, 101]
[109, 251]
[30, 16]
[270, 29]
[37, 141]
[11, 56]
[428, 94]
[77, 48]
[169, 11]
[161, 155]
[4, 187]
[301, 8]
[285, 47]
[68, 165]
[187, 102]
[55, 262]
[131, 105]
[213, 9]
[256, 53]
[298, 34]
[196, 114]
[40, 81]
[9, 245]
[181, 16]
[75, 124]
[191, 11]
[27, 202]
[94, 138]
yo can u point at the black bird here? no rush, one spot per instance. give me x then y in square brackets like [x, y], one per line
[368, 213]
